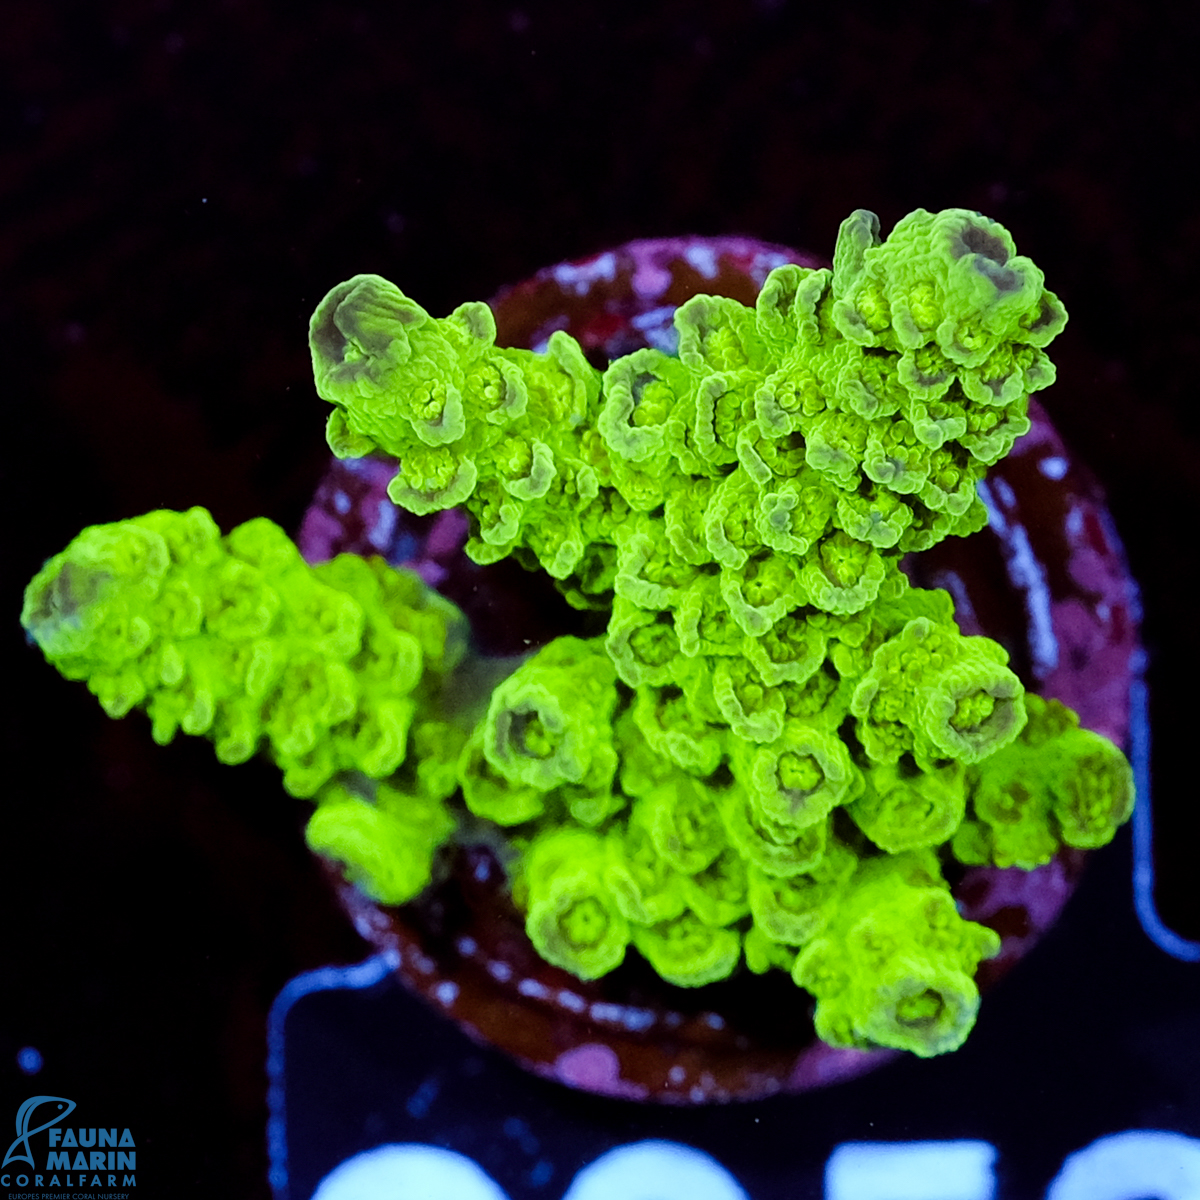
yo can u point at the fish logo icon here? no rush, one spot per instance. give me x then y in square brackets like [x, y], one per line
[24, 1133]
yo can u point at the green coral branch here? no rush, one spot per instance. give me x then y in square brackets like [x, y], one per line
[1056, 785]
[893, 964]
[336, 671]
[838, 425]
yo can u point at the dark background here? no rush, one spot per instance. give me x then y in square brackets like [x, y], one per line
[181, 183]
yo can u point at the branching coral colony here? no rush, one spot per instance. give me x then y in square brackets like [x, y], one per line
[762, 758]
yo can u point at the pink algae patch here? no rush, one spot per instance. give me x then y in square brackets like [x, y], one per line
[596, 1068]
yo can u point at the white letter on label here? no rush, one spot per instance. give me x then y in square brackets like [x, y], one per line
[654, 1170]
[1131, 1166]
[961, 1170]
[409, 1172]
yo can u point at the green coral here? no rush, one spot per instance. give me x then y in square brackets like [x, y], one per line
[934, 694]
[334, 671]
[904, 808]
[770, 742]
[893, 962]
[548, 724]
[688, 951]
[572, 917]
[792, 909]
[386, 840]
[1056, 785]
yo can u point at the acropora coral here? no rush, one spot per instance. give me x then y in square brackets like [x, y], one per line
[335, 671]
[773, 742]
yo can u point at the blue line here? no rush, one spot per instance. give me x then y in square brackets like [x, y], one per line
[1143, 832]
[1139, 754]
[326, 979]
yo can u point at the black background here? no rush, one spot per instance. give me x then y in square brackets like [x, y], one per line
[181, 183]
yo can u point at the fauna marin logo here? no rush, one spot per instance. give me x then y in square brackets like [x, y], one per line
[72, 1158]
